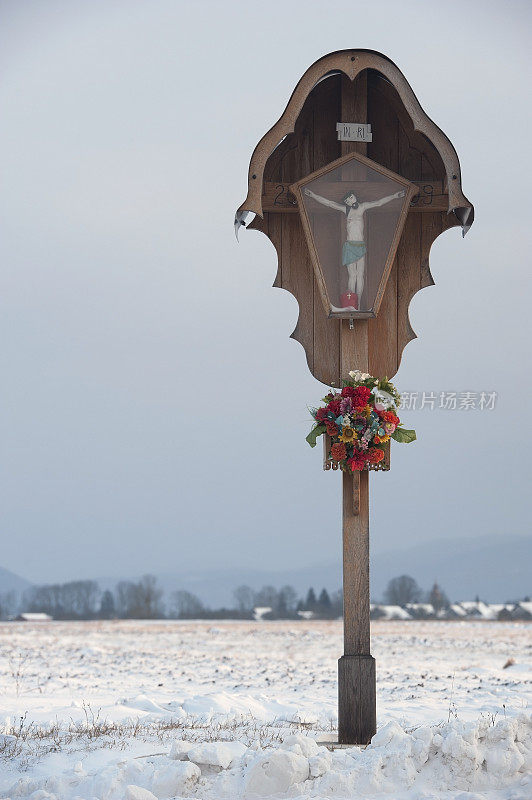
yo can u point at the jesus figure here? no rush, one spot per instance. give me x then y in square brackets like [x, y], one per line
[354, 248]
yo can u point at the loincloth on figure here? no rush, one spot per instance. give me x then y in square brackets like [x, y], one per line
[352, 251]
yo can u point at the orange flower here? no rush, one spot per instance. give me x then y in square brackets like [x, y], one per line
[338, 451]
[375, 455]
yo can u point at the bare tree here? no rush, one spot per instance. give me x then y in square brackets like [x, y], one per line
[79, 599]
[8, 604]
[73, 600]
[125, 599]
[402, 590]
[107, 606]
[149, 597]
[244, 598]
[287, 601]
[186, 605]
[438, 598]
[141, 600]
[267, 596]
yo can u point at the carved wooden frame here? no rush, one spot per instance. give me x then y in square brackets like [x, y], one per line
[351, 63]
[296, 189]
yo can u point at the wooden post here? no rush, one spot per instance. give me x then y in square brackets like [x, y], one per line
[357, 698]
[357, 714]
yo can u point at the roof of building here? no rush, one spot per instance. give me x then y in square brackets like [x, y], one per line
[426, 608]
[394, 612]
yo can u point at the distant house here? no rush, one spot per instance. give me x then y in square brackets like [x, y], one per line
[522, 610]
[305, 614]
[259, 612]
[501, 610]
[33, 617]
[421, 610]
[389, 612]
[476, 609]
[455, 611]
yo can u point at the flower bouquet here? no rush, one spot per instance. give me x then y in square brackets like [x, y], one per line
[359, 420]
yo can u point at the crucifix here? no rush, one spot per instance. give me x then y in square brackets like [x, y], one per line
[354, 248]
[397, 185]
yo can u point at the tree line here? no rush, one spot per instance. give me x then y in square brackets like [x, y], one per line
[144, 599]
[404, 590]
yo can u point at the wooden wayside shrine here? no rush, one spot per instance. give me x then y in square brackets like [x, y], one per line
[363, 87]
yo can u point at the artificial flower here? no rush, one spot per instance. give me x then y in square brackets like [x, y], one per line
[349, 391]
[358, 376]
[338, 451]
[347, 435]
[334, 406]
[389, 416]
[346, 405]
[321, 414]
[356, 463]
[360, 397]
[359, 418]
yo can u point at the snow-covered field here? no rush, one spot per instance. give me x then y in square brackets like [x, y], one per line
[138, 710]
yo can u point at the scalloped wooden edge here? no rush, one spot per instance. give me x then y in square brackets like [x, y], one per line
[351, 63]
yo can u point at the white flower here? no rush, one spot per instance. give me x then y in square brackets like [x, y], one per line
[357, 375]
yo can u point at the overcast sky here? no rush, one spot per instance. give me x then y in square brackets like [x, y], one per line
[153, 407]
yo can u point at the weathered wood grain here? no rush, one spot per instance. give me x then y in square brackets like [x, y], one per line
[409, 269]
[278, 197]
[356, 566]
[357, 718]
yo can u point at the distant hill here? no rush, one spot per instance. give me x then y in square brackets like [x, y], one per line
[494, 568]
[11, 582]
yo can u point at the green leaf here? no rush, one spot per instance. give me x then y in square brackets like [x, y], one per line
[404, 436]
[318, 430]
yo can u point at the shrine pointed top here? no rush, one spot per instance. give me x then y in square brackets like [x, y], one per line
[351, 63]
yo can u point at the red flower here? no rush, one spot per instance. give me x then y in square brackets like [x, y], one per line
[356, 463]
[338, 451]
[334, 406]
[360, 397]
[321, 414]
[389, 416]
[332, 429]
[348, 391]
[375, 455]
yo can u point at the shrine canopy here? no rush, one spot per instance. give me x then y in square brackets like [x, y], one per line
[354, 267]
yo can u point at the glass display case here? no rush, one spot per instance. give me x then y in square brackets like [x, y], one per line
[353, 212]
